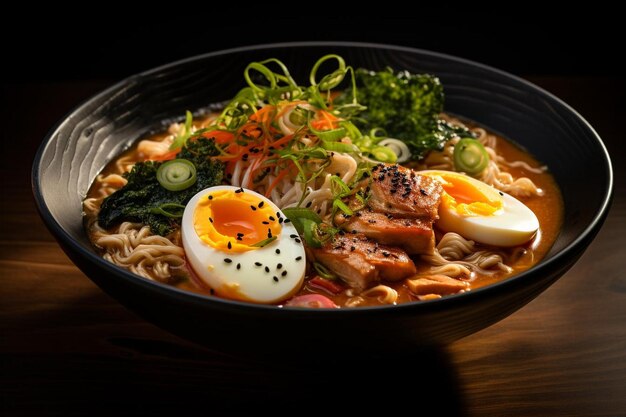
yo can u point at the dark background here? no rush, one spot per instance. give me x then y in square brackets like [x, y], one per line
[68, 349]
[113, 43]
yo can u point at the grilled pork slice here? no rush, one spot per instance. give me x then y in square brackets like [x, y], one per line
[402, 192]
[360, 262]
[436, 284]
[415, 236]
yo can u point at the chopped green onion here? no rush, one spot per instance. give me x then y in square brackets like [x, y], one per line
[184, 134]
[332, 135]
[331, 80]
[171, 210]
[299, 116]
[338, 146]
[352, 131]
[384, 154]
[309, 228]
[267, 73]
[343, 188]
[378, 132]
[298, 214]
[338, 204]
[399, 148]
[264, 242]
[323, 272]
[470, 156]
[177, 174]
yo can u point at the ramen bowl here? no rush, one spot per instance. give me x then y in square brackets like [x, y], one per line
[79, 147]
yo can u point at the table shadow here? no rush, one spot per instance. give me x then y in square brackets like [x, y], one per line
[158, 374]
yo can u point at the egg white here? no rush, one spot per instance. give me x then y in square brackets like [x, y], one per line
[251, 282]
[512, 225]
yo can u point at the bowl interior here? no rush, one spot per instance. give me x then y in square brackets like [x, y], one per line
[105, 125]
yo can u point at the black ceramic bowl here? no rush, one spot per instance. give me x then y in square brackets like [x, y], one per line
[99, 129]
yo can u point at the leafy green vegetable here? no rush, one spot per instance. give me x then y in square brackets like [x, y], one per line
[406, 106]
[144, 200]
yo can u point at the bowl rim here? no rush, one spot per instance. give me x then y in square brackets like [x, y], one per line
[408, 308]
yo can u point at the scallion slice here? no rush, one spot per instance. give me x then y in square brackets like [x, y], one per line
[176, 175]
[470, 156]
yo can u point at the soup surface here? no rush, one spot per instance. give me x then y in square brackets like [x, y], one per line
[342, 218]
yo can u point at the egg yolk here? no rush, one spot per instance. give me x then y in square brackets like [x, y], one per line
[233, 220]
[467, 196]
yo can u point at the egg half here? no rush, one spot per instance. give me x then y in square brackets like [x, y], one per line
[238, 242]
[479, 212]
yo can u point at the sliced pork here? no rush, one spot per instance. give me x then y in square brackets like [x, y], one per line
[415, 236]
[401, 192]
[361, 262]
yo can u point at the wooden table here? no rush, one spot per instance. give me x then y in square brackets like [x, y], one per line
[69, 349]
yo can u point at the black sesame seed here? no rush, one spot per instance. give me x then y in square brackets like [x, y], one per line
[238, 266]
[283, 273]
[210, 219]
[272, 218]
[275, 279]
[278, 214]
[309, 204]
[258, 263]
[298, 240]
[228, 260]
[230, 245]
[212, 291]
[261, 204]
[386, 254]
[366, 175]
[239, 238]
[352, 248]
[287, 220]
[500, 192]
[293, 236]
[280, 220]
[267, 269]
[210, 197]
[238, 191]
[253, 208]
[298, 258]
[264, 222]
[279, 266]
[277, 251]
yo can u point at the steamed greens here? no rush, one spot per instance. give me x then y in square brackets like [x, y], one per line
[405, 106]
[143, 199]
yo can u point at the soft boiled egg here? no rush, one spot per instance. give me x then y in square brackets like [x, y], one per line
[238, 242]
[479, 212]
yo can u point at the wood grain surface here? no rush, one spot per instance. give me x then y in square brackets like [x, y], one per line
[68, 349]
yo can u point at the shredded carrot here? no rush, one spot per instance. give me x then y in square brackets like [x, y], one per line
[282, 141]
[325, 121]
[220, 136]
[274, 183]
